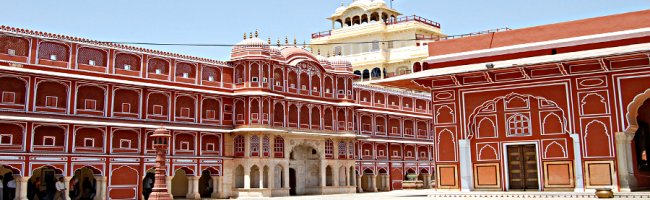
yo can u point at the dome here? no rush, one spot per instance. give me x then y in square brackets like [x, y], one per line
[361, 3]
[250, 47]
[340, 64]
[378, 3]
[324, 61]
[252, 42]
[340, 9]
[295, 53]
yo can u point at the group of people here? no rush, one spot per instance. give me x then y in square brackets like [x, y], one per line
[7, 187]
[78, 190]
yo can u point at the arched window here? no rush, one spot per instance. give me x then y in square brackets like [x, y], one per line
[329, 148]
[376, 72]
[239, 145]
[278, 147]
[266, 146]
[342, 149]
[255, 145]
[518, 125]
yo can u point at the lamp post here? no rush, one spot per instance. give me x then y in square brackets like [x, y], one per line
[160, 144]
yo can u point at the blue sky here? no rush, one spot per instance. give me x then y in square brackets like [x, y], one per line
[224, 22]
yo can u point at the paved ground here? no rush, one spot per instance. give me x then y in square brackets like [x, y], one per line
[432, 194]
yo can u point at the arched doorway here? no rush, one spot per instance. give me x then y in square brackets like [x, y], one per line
[641, 147]
[83, 184]
[366, 180]
[41, 184]
[292, 181]
[7, 174]
[147, 183]
[206, 184]
[304, 173]
[180, 183]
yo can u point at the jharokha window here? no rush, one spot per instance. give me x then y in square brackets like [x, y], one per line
[255, 145]
[342, 149]
[278, 147]
[329, 148]
[239, 145]
[518, 125]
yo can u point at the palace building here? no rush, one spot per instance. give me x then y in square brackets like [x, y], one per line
[376, 39]
[275, 120]
[555, 107]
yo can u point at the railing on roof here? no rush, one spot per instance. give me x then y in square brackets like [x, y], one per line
[416, 18]
[438, 38]
[321, 34]
[398, 20]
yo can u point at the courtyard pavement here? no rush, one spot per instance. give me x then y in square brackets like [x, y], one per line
[433, 194]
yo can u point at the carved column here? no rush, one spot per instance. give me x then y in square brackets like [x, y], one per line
[465, 165]
[335, 176]
[373, 182]
[286, 176]
[215, 186]
[66, 182]
[100, 187]
[21, 187]
[193, 188]
[247, 178]
[577, 160]
[359, 188]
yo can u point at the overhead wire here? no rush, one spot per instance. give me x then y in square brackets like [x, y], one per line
[232, 45]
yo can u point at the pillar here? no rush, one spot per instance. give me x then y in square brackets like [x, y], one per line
[169, 185]
[21, 187]
[427, 181]
[215, 187]
[271, 178]
[247, 178]
[193, 188]
[465, 165]
[66, 182]
[624, 160]
[286, 176]
[387, 179]
[261, 175]
[373, 182]
[323, 175]
[100, 188]
[335, 176]
[359, 188]
[577, 156]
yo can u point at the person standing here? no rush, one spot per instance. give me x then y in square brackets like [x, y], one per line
[1, 188]
[60, 190]
[11, 185]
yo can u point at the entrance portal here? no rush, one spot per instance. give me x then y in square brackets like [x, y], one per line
[84, 184]
[641, 146]
[292, 181]
[522, 167]
[42, 184]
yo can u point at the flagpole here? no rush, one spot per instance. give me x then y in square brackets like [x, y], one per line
[391, 4]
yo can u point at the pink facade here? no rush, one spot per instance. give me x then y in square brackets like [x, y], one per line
[70, 104]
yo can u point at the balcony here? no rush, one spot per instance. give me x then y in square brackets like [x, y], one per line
[375, 26]
[411, 18]
[321, 34]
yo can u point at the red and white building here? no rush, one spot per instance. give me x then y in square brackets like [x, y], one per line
[275, 120]
[555, 107]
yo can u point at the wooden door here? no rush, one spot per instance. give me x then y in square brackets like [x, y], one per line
[522, 167]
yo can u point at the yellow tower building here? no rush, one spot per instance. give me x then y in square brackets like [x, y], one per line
[379, 41]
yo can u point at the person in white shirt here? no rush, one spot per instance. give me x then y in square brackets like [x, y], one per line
[60, 190]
